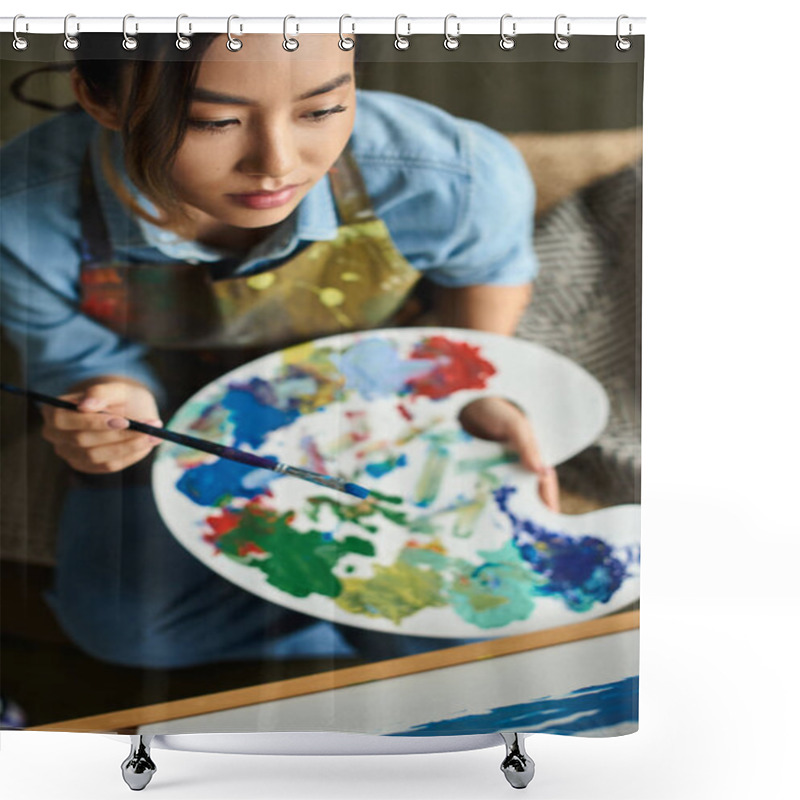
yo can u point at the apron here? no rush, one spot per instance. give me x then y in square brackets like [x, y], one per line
[198, 328]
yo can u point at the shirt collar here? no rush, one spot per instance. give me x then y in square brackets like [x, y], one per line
[315, 219]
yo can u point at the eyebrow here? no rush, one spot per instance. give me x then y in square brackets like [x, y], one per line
[207, 96]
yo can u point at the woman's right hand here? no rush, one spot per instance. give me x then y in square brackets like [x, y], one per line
[100, 442]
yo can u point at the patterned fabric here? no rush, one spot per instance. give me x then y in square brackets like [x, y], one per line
[587, 306]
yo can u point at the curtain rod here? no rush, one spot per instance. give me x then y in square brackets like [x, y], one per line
[403, 25]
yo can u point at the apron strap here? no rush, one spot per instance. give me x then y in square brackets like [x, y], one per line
[95, 241]
[349, 191]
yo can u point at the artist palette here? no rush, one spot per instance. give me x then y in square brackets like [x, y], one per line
[453, 540]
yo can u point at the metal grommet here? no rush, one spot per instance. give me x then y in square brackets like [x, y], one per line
[623, 43]
[345, 42]
[561, 43]
[401, 42]
[70, 42]
[19, 42]
[129, 42]
[290, 44]
[232, 44]
[182, 42]
[451, 42]
[507, 42]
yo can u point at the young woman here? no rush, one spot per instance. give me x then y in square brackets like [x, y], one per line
[196, 212]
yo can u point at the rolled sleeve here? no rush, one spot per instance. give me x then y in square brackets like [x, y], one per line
[58, 345]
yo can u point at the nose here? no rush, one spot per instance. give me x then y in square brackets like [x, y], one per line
[272, 151]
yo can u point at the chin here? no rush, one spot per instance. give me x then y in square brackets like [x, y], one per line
[263, 218]
[255, 219]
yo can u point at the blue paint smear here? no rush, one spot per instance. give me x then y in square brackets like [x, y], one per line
[214, 484]
[578, 712]
[381, 468]
[253, 420]
[582, 570]
[374, 369]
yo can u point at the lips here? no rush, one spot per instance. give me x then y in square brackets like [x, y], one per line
[262, 200]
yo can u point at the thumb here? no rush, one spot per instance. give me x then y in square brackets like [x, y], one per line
[520, 438]
[102, 395]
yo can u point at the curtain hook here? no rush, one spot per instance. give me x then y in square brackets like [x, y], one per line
[451, 42]
[623, 43]
[289, 44]
[401, 42]
[561, 43]
[129, 42]
[20, 43]
[182, 42]
[234, 44]
[507, 42]
[71, 42]
[345, 42]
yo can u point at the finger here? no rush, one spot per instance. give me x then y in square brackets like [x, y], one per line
[103, 457]
[86, 438]
[73, 447]
[521, 439]
[68, 422]
[548, 489]
[91, 437]
[64, 420]
[102, 396]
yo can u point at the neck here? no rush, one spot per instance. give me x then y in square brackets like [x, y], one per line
[237, 240]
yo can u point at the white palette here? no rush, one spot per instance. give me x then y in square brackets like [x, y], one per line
[449, 566]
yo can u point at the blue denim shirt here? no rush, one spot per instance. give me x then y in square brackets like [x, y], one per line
[456, 197]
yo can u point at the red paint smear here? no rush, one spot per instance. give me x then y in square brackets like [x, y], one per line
[460, 367]
[413, 544]
[250, 547]
[261, 501]
[221, 524]
[404, 412]
[312, 451]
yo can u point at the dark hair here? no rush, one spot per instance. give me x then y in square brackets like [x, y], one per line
[151, 89]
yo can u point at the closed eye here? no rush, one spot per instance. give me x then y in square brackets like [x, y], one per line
[324, 113]
[211, 125]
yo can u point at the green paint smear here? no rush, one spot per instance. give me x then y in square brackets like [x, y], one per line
[356, 513]
[466, 514]
[483, 464]
[298, 563]
[386, 498]
[430, 479]
[491, 595]
[394, 592]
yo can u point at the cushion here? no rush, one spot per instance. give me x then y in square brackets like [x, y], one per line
[586, 305]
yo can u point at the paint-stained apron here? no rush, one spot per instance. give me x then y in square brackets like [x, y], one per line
[198, 327]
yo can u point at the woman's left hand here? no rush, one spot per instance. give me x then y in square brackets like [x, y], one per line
[497, 420]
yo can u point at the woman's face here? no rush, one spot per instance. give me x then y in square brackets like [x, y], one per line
[264, 126]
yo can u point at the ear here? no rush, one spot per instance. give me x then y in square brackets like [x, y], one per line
[107, 116]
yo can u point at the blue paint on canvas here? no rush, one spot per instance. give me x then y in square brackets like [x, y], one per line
[579, 712]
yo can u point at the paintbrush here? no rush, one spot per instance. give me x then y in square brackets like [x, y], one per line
[231, 453]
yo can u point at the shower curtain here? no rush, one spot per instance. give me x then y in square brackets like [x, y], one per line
[322, 255]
